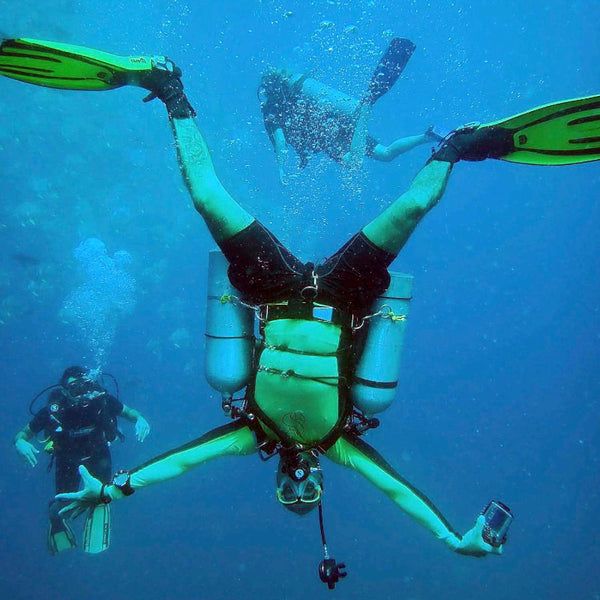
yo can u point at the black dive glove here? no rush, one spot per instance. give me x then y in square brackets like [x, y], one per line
[164, 83]
[474, 143]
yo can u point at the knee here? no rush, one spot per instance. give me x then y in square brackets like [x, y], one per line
[418, 205]
[414, 209]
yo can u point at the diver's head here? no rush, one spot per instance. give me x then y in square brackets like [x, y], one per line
[274, 75]
[70, 374]
[78, 383]
[299, 482]
[273, 84]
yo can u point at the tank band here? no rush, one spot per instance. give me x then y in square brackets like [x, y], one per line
[228, 337]
[382, 385]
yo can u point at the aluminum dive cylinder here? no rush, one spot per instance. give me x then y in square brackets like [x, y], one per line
[229, 332]
[325, 97]
[378, 370]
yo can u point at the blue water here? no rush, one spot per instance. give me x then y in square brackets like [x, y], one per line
[501, 379]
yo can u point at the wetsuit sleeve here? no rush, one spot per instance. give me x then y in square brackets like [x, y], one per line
[40, 421]
[114, 407]
[350, 451]
[233, 439]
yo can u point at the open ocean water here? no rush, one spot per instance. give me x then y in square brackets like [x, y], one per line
[500, 381]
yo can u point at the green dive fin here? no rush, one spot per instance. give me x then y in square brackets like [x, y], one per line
[60, 536]
[96, 531]
[562, 133]
[69, 67]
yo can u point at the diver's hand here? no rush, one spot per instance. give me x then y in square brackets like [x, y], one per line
[473, 544]
[142, 429]
[431, 135]
[27, 452]
[88, 496]
[283, 178]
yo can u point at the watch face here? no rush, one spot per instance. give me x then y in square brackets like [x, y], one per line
[120, 479]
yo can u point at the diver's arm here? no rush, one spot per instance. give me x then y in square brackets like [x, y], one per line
[26, 450]
[352, 452]
[234, 439]
[142, 427]
[399, 146]
[281, 154]
[24, 434]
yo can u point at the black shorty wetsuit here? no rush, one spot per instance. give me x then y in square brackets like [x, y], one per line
[79, 436]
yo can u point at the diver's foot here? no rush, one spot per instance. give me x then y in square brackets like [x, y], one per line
[164, 83]
[433, 135]
[474, 144]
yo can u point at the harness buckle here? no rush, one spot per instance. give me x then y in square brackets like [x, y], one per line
[310, 291]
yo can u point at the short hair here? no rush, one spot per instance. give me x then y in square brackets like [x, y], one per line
[74, 371]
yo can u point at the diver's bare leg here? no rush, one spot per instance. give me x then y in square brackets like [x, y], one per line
[392, 228]
[223, 216]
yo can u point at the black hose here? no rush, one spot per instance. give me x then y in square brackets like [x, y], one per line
[55, 385]
[322, 526]
[116, 384]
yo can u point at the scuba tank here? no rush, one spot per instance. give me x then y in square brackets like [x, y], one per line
[325, 96]
[229, 332]
[377, 372]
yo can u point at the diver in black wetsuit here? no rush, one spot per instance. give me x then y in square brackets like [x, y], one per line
[79, 422]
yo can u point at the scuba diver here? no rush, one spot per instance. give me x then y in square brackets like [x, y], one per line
[297, 404]
[311, 117]
[79, 422]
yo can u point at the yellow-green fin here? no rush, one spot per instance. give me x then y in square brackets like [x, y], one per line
[562, 133]
[69, 67]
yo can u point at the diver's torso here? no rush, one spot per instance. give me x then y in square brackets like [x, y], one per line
[78, 428]
[320, 118]
[299, 389]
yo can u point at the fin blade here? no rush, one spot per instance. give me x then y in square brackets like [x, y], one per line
[66, 66]
[96, 531]
[561, 133]
[389, 68]
[60, 538]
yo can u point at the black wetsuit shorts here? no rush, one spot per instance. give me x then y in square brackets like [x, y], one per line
[97, 462]
[264, 271]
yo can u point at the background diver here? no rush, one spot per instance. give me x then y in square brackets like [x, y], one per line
[311, 117]
[79, 422]
[305, 365]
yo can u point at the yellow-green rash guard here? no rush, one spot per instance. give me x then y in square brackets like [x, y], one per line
[300, 389]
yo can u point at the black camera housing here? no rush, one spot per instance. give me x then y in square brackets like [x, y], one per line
[498, 518]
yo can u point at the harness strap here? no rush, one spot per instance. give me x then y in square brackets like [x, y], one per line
[303, 352]
[333, 381]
